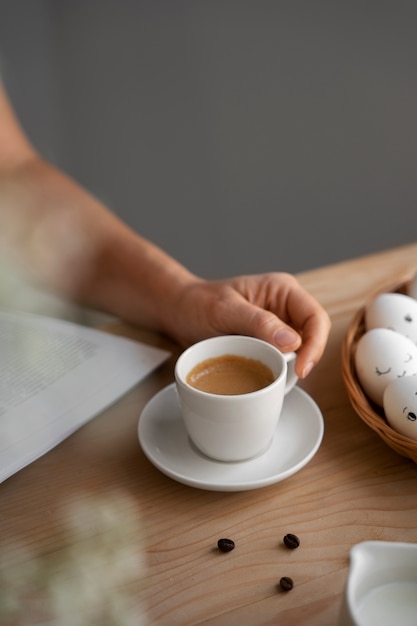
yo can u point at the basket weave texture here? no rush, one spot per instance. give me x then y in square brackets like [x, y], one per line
[369, 412]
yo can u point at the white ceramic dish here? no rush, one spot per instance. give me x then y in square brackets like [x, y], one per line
[381, 588]
[164, 441]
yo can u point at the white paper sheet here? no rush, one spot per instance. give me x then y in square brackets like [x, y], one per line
[54, 377]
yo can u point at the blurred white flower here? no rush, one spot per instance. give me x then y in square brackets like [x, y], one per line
[96, 579]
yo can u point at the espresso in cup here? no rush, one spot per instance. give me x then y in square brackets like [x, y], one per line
[230, 374]
[229, 420]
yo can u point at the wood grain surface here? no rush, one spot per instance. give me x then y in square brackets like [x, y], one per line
[94, 532]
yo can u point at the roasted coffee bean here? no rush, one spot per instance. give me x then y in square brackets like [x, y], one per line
[291, 541]
[225, 545]
[286, 583]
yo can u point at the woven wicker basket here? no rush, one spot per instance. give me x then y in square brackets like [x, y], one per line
[370, 413]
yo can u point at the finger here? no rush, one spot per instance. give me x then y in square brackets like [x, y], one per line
[315, 335]
[249, 319]
[306, 315]
[265, 325]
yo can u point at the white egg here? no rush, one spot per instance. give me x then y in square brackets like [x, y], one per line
[412, 287]
[395, 311]
[383, 355]
[400, 405]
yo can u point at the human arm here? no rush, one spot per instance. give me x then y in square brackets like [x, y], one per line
[66, 240]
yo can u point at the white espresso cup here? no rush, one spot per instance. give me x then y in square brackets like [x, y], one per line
[239, 426]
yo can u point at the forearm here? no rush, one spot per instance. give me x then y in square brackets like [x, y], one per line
[64, 240]
[136, 281]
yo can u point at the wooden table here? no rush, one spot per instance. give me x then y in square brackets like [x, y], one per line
[94, 515]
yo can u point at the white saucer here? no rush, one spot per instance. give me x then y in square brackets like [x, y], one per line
[165, 442]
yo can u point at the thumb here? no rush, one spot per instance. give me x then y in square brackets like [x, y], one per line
[257, 322]
[286, 338]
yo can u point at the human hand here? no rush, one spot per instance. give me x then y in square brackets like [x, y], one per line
[273, 307]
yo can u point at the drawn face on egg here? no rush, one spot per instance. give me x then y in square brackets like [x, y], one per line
[382, 356]
[400, 406]
[395, 311]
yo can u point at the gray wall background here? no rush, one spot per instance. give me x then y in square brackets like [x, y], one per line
[240, 136]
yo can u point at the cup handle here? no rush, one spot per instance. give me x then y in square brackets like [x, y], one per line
[292, 377]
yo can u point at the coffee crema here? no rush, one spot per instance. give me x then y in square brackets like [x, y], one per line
[230, 375]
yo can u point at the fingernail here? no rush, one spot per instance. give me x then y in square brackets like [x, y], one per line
[307, 369]
[285, 337]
